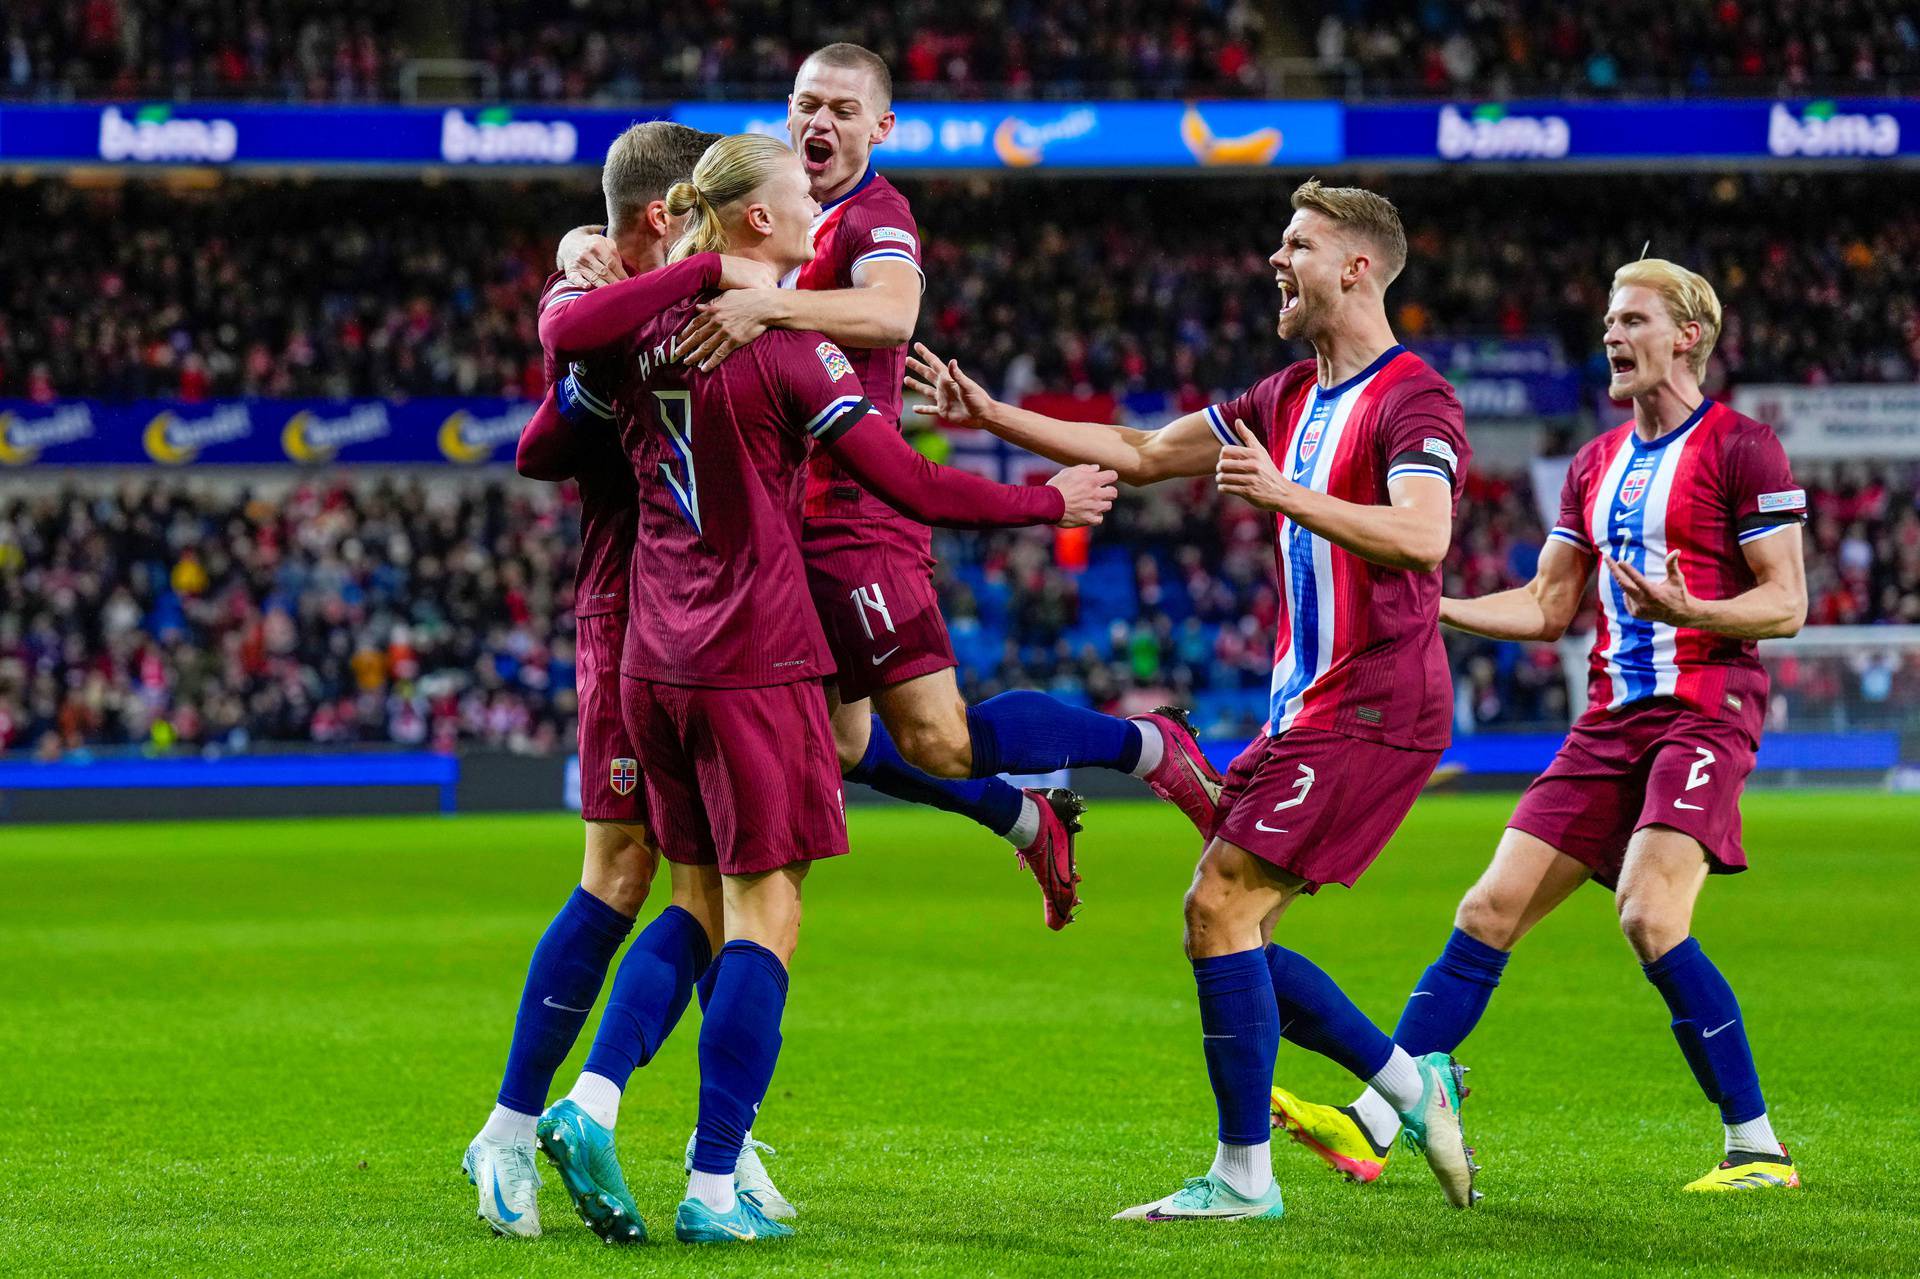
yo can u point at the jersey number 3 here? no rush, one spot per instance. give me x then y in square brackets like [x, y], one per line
[676, 416]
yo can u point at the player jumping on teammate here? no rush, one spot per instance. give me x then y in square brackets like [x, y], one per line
[1692, 514]
[1361, 453]
[870, 569]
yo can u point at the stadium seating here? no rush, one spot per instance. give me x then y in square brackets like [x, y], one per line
[158, 615]
[418, 289]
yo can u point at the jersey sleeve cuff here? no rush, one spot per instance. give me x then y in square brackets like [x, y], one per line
[1572, 537]
[1217, 422]
[578, 402]
[1759, 531]
[1419, 461]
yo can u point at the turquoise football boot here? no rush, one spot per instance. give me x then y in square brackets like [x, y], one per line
[1433, 1128]
[583, 1153]
[747, 1223]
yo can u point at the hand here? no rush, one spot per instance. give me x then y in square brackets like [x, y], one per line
[957, 400]
[746, 273]
[729, 322]
[1666, 601]
[1246, 471]
[589, 261]
[1089, 492]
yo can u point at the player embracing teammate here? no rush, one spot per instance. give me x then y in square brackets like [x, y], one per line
[1693, 517]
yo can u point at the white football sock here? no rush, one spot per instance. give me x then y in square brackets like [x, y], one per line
[1247, 1170]
[1377, 1116]
[1153, 747]
[1026, 828]
[508, 1126]
[714, 1189]
[1398, 1081]
[598, 1096]
[1755, 1136]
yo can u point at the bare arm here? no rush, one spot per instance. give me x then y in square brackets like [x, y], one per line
[1540, 610]
[880, 312]
[1412, 532]
[1774, 607]
[1185, 446]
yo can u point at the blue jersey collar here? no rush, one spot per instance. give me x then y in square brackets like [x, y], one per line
[1335, 392]
[1693, 419]
[866, 179]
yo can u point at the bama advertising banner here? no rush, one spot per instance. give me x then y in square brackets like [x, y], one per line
[216, 133]
[1070, 135]
[1505, 377]
[1089, 135]
[1490, 132]
[1855, 422]
[468, 432]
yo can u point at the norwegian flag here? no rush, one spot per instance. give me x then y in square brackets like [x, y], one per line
[1634, 487]
[623, 775]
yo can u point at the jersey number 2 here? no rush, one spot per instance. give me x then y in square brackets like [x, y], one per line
[676, 416]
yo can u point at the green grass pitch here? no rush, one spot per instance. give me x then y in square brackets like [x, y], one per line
[251, 1048]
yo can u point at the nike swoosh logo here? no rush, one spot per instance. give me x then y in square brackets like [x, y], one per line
[1417, 994]
[737, 1233]
[1709, 1034]
[1681, 803]
[884, 656]
[567, 1008]
[1271, 830]
[500, 1203]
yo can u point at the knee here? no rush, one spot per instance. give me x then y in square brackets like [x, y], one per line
[1651, 929]
[939, 746]
[1486, 917]
[851, 750]
[1208, 909]
[621, 877]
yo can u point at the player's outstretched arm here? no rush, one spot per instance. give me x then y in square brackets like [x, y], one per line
[588, 257]
[880, 312]
[578, 321]
[1540, 610]
[1773, 608]
[874, 453]
[1412, 532]
[1183, 447]
[547, 443]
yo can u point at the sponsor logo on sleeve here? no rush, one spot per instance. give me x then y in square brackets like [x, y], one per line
[886, 234]
[834, 360]
[1785, 500]
[1442, 450]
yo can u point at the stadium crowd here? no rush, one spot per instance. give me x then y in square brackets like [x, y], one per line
[1508, 48]
[384, 610]
[624, 50]
[385, 288]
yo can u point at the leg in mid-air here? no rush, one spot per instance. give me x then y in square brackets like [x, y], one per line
[651, 990]
[563, 980]
[1526, 880]
[1659, 884]
[1039, 823]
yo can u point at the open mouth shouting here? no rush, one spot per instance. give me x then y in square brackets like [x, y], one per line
[816, 153]
[1289, 295]
[1620, 364]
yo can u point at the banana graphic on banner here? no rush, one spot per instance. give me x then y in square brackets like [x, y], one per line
[1256, 148]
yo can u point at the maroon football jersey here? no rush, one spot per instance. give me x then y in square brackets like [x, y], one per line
[607, 497]
[871, 223]
[1707, 489]
[1358, 648]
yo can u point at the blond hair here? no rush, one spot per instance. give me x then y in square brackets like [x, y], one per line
[1369, 215]
[732, 168]
[1689, 299]
[855, 57]
[643, 162]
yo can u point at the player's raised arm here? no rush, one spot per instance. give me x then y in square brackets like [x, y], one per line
[1185, 446]
[880, 312]
[576, 322]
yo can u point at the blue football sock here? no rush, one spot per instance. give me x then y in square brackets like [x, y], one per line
[989, 801]
[562, 982]
[704, 987]
[1317, 1015]
[739, 1043]
[1713, 1038]
[1444, 1008]
[650, 991]
[1028, 732]
[1240, 1030]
